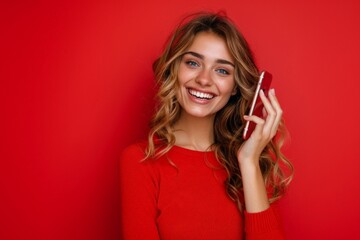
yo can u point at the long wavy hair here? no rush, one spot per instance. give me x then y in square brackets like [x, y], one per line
[229, 122]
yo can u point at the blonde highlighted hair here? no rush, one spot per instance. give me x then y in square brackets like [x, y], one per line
[229, 123]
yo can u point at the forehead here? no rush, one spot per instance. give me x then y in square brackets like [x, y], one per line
[211, 45]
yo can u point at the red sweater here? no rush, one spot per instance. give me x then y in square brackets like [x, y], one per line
[160, 201]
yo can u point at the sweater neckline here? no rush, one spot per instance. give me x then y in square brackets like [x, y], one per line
[187, 151]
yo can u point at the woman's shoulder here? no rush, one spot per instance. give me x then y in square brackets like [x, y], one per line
[131, 160]
[135, 156]
[134, 169]
[134, 151]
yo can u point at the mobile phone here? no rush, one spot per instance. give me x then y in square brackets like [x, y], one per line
[256, 104]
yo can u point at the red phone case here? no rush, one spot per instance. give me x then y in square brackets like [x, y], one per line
[257, 105]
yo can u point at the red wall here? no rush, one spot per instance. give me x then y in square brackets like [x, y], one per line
[77, 86]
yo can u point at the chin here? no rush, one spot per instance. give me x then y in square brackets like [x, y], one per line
[199, 114]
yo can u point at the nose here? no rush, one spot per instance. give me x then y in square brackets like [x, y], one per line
[204, 77]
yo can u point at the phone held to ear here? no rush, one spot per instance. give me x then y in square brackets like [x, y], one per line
[257, 105]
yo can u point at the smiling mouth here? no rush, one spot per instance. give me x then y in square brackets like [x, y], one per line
[201, 95]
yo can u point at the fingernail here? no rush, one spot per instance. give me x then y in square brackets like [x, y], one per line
[272, 91]
[246, 116]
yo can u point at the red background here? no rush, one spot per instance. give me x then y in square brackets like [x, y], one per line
[77, 86]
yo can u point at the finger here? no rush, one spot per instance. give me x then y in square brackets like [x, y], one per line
[259, 125]
[279, 112]
[264, 113]
[271, 114]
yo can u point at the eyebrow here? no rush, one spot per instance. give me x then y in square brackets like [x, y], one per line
[198, 55]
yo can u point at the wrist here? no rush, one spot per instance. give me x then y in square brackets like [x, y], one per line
[251, 163]
[250, 168]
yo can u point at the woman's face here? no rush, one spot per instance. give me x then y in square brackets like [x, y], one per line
[206, 76]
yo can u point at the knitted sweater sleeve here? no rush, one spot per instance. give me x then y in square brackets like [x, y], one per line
[138, 196]
[263, 225]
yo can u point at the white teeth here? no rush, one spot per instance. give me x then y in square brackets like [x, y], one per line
[201, 94]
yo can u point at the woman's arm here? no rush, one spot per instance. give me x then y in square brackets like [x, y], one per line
[258, 213]
[138, 196]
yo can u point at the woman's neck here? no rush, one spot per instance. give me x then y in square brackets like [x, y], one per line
[194, 133]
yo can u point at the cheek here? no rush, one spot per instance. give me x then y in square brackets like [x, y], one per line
[227, 87]
[181, 74]
[185, 75]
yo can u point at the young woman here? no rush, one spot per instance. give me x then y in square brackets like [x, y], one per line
[195, 177]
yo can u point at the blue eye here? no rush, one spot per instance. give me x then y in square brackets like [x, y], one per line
[192, 63]
[223, 71]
